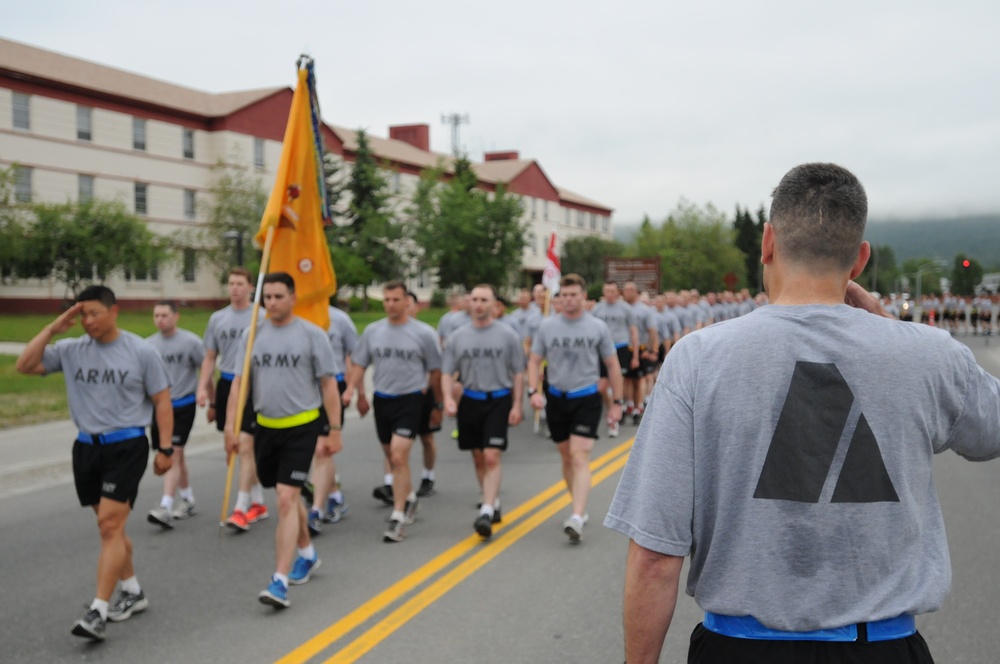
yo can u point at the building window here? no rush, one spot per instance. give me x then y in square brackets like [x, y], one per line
[533, 243]
[22, 184]
[566, 219]
[138, 134]
[85, 188]
[258, 153]
[140, 198]
[189, 203]
[396, 182]
[534, 207]
[593, 221]
[190, 265]
[83, 123]
[545, 210]
[22, 111]
[188, 143]
[606, 224]
[579, 218]
[143, 274]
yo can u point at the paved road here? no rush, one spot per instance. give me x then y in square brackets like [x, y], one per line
[440, 596]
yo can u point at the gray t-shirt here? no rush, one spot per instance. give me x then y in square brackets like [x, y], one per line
[789, 453]
[108, 385]
[531, 324]
[645, 318]
[223, 335]
[451, 321]
[667, 325]
[402, 355]
[286, 366]
[573, 348]
[182, 353]
[486, 358]
[343, 336]
[619, 317]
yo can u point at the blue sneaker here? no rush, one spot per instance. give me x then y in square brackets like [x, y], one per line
[275, 595]
[335, 510]
[314, 521]
[302, 569]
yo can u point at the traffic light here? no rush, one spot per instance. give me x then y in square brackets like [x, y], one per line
[966, 263]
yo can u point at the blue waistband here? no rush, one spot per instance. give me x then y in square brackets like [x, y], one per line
[748, 627]
[339, 378]
[109, 437]
[623, 344]
[486, 396]
[225, 375]
[383, 395]
[183, 401]
[574, 394]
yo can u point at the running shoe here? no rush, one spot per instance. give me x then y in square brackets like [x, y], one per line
[184, 509]
[238, 521]
[257, 512]
[383, 493]
[484, 525]
[302, 569]
[573, 527]
[426, 488]
[315, 522]
[126, 605]
[637, 416]
[410, 511]
[613, 428]
[276, 595]
[335, 510]
[395, 532]
[496, 514]
[161, 516]
[91, 625]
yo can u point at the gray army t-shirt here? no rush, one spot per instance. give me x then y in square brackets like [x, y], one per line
[223, 335]
[343, 336]
[619, 317]
[182, 353]
[108, 385]
[402, 354]
[573, 348]
[287, 363]
[486, 358]
[789, 453]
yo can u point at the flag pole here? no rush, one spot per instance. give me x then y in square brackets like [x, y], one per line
[241, 399]
[545, 314]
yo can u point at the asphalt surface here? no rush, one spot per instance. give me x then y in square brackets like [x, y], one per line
[526, 596]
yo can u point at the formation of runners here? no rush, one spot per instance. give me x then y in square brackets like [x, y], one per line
[583, 367]
[978, 315]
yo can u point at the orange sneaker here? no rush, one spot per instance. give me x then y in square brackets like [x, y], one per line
[238, 521]
[257, 512]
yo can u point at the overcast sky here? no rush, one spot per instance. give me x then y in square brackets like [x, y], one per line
[632, 103]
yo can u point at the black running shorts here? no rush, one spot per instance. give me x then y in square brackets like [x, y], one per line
[324, 420]
[400, 416]
[221, 406]
[109, 471]
[284, 455]
[425, 416]
[483, 424]
[624, 358]
[183, 421]
[565, 417]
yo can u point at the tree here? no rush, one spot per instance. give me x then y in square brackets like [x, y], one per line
[14, 218]
[881, 273]
[79, 243]
[966, 274]
[585, 256]
[232, 218]
[365, 249]
[748, 239]
[465, 233]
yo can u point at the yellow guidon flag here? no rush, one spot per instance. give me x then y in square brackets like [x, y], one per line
[297, 207]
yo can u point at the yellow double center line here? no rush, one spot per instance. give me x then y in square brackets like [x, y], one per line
[515, 527]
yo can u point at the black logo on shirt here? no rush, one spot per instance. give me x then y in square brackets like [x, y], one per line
[279, 360]
[487, 353]
[395, 353]
[812, 421]
[574, 342]
[97, 376]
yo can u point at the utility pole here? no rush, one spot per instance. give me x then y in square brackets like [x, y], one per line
[455, 120]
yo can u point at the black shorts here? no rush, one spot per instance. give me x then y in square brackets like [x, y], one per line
[707, 647]
[578, 417]
[284, 455]
[601, 367]
[624, 358]
[110, 471]
[646, 366]
[324, 420]
[638, 372]
[399, 416]
[222, 402]
[183, 421]
[483, 424]
[662, 354]
[430, 403]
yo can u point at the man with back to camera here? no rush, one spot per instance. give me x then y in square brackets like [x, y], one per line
[182, 353]
[113, 380]
[293, 370]
[573, 342]
[814, 528]
[487, 354]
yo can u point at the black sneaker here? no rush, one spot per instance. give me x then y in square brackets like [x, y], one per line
[395, 532]
[484, 526]
[636, 417]
[90, 626]
[426, 488]
[383, 493]
[496, 515]
[126, 605]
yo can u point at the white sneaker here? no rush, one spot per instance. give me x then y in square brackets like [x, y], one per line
[613, 429]
[573, 527]
[161, 516]
[184, 509]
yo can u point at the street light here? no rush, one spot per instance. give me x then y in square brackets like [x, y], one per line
[238, 236]
[927, 267]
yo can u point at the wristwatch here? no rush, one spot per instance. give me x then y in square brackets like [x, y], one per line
[532, 391]
[619, 402]
[168, 452]
[439, 405]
